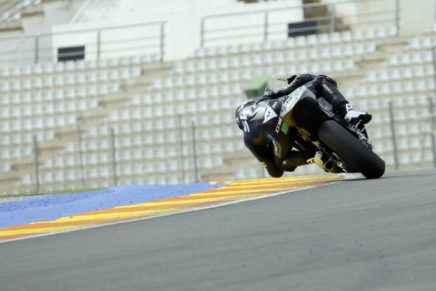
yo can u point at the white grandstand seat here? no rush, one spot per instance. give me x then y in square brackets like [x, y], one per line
[47, 82]
[179, 68]
[27, 180]
[359, 35]
[5, 167]
[57, 177]
[158, 84]
[244, 61]
[15, 71]
[37, 83]
[312, 40]
[211, 64]
[256, 60]
[15, 85]
[200, 65]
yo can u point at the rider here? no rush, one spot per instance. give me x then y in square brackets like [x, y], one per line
[272, 147]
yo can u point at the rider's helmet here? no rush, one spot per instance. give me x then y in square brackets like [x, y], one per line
[243, 111]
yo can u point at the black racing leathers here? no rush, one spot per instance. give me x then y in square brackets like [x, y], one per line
[269, 142]
[321, 85]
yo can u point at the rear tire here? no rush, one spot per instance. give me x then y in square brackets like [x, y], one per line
[349, 148]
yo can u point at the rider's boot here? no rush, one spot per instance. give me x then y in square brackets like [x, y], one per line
[353, 116]
[331, 93]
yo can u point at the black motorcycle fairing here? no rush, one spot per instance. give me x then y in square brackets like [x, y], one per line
[301, 110]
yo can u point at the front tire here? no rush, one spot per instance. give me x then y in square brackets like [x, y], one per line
[349, 148]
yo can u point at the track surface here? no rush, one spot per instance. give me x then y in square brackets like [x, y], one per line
[352, 235]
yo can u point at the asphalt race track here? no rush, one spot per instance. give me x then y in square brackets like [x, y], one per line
[351, 235]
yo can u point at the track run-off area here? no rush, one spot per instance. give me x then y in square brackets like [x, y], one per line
[308, 233]
[217, 193]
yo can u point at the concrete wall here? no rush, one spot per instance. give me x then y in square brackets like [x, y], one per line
[20, 47]
[183, 20]
[415, 16]
[56, 12]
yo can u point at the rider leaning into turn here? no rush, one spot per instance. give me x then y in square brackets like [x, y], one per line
[258, 119]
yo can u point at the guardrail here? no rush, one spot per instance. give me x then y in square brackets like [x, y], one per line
[268, 28]
[108, 42]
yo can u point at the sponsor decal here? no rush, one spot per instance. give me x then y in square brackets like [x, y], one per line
[243, 121]
[293, 98]
[246, 127]
[269, 114]
[279, 124]
[275, 105]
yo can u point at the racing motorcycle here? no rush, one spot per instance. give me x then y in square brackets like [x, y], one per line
[345, 147]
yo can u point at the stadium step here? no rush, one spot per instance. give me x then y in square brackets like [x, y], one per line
[385, 49]
[13, 26]
[32, 11]
[323, 15]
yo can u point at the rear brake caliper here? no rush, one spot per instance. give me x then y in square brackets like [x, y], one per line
[360, 131]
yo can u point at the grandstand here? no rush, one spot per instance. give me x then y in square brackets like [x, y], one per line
[96, 93]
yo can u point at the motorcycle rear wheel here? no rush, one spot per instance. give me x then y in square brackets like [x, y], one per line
[349, 148]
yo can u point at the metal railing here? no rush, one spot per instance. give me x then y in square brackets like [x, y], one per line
[187, 152]
[422, 135]
[108, 42]
[267, 27]
[185, 144]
